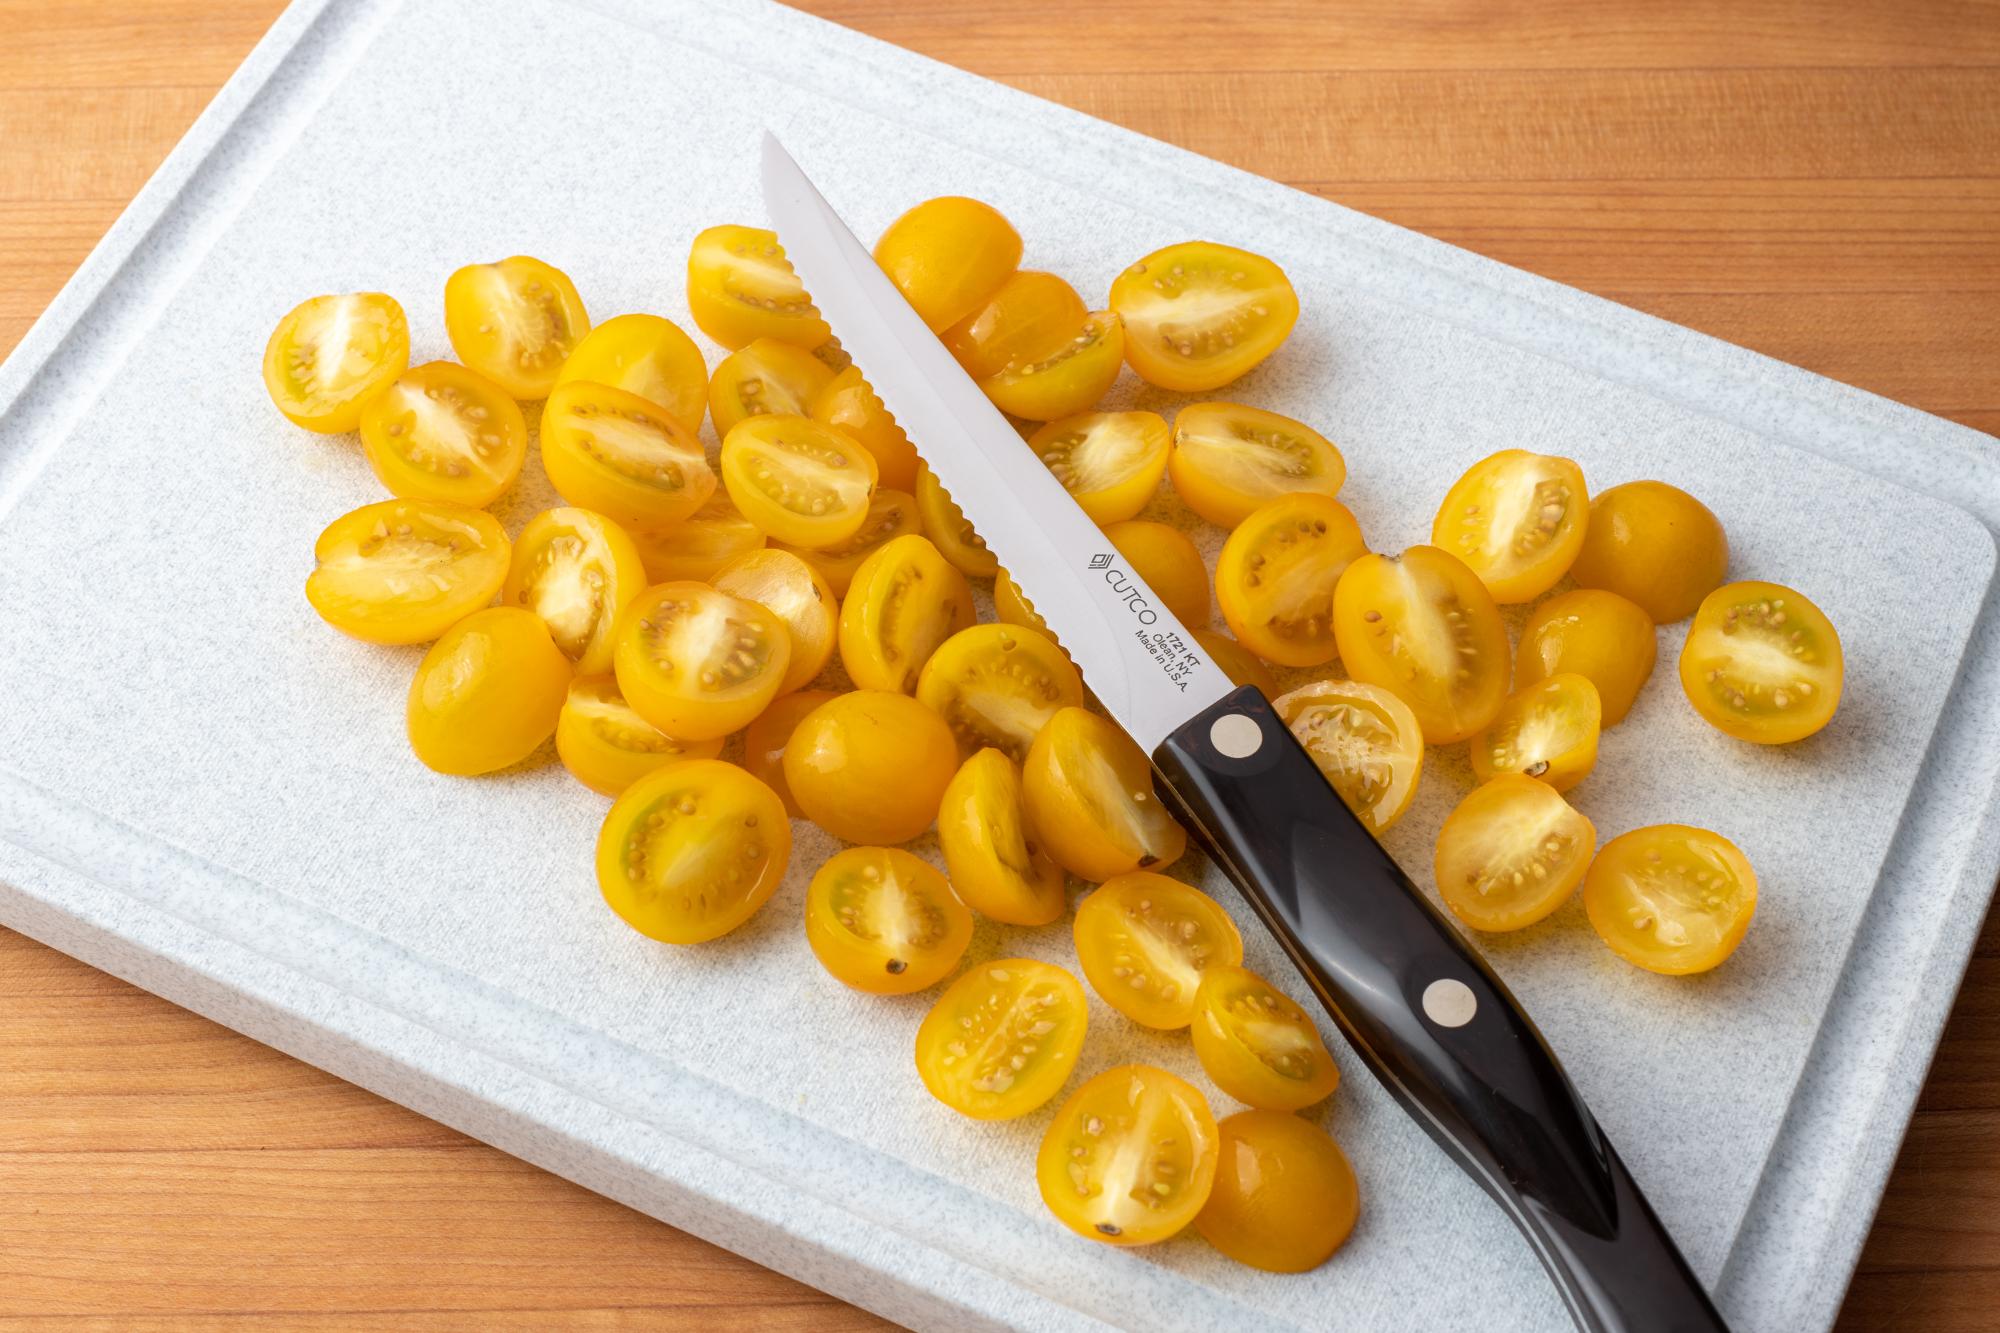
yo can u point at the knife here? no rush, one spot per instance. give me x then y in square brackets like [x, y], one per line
[1426, 1014]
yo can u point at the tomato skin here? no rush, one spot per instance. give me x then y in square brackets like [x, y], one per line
[989, 851]
[607, 746]
[1285, 1196]
[997, 685]
[645, 355]
[884, 922]
[799, 595]
[613, 452]
[576, 570]
[487, 693]
[947, 256]
[1256, 1044]
[1028, 318]
[1169, 563]
[1229, 460]
[803, 483]
[1517, 520]
[692, 850]
[1110, 462]
[1547, 731]
[442, 432]
[905, 600]
[1009, 1009]
[1740, 634]
[696, 662]
[1145, 941]
[1511, 853]
[1202, 351]
[950, 531]
[765, 739]
[1597, 635]
[515, 322]
[741, 288]
[379, 567]
[891, 514]
[1242, 666]
[848, 404]
[1424, 627]
[1670, 898]
[1277, 574]
[1090, 799]
[1130, 1157]
[765, 378]
[1070, 380]
[1366, 742]
[372, 331]
[698, 545]
[870, 766]
[1654, 545]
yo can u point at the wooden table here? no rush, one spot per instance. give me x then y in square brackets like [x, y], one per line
[1816, 179]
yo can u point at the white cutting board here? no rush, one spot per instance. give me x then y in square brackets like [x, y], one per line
[204, 789]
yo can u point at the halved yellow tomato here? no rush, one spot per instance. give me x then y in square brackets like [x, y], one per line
[1670, 898]
[1511, 852]
[947, 256]
[1198, 315]
[1365, 740]
[765, 739]
[692, 850]
[576, 570]
[698, 545]
[848, 403]
[803, 483]
[442, 432]
[1654, 545]
[1277, 573]
[870, 766]
[994, 862]
[1762, 663]
[1090, 799]
[1130, 1158]
[1110, 462]
[1031, 316]
[741, 288]
[799, 594]
[1595, 634]
[405, 571]
[1169, 563]
[1285, 1197]
[646, 355]
[698, 663]
[330, 355]
[1003, 1038]
[1144, 942]
[1070, 379]
[950, 531]
[1546, 731]
[765, 378]
[515, 322]
[607, 746]
[487, 693]
[1517, 520]
[998, 685]
[1422, 626]
[1012, 606]
[891, 514]
[1242, 666]
[1228, 460]
[905, 600]
[1256, 1044]
[883, 921]
[617, 454]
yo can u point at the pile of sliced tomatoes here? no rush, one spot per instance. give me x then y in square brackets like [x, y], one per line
[800, 599]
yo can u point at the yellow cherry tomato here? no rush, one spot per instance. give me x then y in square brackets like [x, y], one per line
[692, 850]
[1167, 560]
[870, 766]
[1256, 1044]
[1670, 898]
[442, 432]
[998, 685]
[994, 862]
[742, 288]
[1511, 853]
[765, 739]
[1285, 1197]
[1237, 662]
[949, 530]
[1069, 380]
[1198, 315]
[1090, 799]
[847, 403]
[617, 454]
[1365, 740]
[1655, 545]
[698, 663]
[891, 514]
[947, 256]
[1762, 663]
[1110, 462]
[765, 378]
[646, 355]
[698, 545]
[576, 570]
[405, 571]
[1130, 1158]
[1595, 634]
[1031, 317]
[883, 921]
[330, 355]
[1003, 1038]
[1276, 576]
[1012, 606]
[1546, 731]
[515, 322]
[1228, 460]
[1517, 520]
[487, 693]
[905, 600]
[1144, 942]
[802, 483]
[1422, 626]
[799, 594]
[607, 746]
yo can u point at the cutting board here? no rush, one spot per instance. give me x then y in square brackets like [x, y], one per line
[204, 790]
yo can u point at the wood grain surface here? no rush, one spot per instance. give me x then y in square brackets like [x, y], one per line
[1816, 179]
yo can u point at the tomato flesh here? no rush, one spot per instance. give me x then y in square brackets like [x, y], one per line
[1258, 1045]
[950, 531]
[1285, 1196]
[765, 378]
[741, 288]
[405, 571]
[1228, 460]
[848, 404]
[648, 356]
[1110, 462]
[692, 850]
[883, 921]
[696, 662]
[1130, 1157]
[515, 322]
[1670, 898]
[576, 570]
[788, 586]
[331, 354]
[607, 746]
[613, 452]
[1003, 1038]
[905, 600]
[1365, 740]
[1517, 520]
[487, 693]
[891, 514]
[1547, 730]
[1422, 626]
[1762, 663]
[1145, 941]
[1277, 573]
[442, 432]
[802, 483]
[1070, 379]
[1090, 799]
[988, 848]
[1511, 853]
[996, 685]
[1198, 315]
[870, 766]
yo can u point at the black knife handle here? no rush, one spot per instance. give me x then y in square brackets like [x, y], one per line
[1428, 1016]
